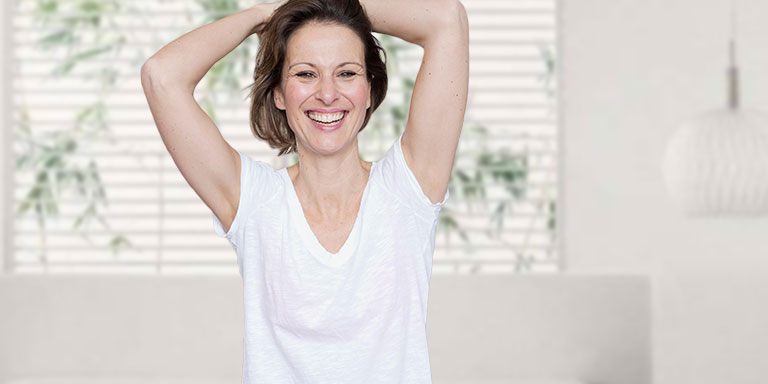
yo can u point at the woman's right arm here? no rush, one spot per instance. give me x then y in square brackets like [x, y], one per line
[184, 61]
[206, 161]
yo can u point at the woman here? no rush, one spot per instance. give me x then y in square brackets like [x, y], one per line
[335, 252]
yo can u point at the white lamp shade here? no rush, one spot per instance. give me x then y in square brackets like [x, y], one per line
[717, 164]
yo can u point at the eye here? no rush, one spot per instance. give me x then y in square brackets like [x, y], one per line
[348, 74]
[301, 74]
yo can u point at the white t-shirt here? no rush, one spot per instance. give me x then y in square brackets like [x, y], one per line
[357, 316]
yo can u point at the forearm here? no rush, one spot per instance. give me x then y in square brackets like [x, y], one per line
[414, 21]
[183, 62]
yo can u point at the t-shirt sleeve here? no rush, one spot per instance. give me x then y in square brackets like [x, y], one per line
[403, 182]
[254, 180]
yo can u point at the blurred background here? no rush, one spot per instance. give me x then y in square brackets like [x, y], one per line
[560, 257]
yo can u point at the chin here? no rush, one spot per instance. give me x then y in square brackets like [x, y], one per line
[325, 144]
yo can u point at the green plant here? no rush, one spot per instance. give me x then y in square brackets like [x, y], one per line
[51, 158]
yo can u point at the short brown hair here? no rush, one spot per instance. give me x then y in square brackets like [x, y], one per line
[267, 121]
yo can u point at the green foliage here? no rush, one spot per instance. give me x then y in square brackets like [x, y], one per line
[51, 157]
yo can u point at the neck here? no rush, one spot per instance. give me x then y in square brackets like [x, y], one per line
[330, 184]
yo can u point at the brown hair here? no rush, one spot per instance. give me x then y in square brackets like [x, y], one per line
[267, 121]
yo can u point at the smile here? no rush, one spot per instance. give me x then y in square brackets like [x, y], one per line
[327, 121]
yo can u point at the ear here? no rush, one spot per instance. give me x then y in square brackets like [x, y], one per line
[278, 98]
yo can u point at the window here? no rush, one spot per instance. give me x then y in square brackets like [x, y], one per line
[95, 190]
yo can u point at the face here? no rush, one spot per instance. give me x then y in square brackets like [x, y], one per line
[324, 90]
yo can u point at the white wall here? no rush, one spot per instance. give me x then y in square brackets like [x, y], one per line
[632, 71]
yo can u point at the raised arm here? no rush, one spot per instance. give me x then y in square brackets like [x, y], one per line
[184, 61]
[208, 163]
[439, 98]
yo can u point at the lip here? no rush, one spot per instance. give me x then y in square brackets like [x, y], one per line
[326, 128]
[327, 110]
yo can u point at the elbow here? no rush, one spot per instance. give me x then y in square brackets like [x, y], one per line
[146, 67]
[147, 81]
[458, 11]
[454, 16]
[155, 77]
[463, 22]
[450, 22]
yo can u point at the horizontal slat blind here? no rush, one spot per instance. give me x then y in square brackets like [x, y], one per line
[500, 217]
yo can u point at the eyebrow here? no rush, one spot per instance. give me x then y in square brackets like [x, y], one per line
[340, 65]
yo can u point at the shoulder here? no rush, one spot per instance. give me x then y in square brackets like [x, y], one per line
[260, 181]
[400, 181]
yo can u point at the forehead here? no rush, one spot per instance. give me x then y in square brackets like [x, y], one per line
[324, 45]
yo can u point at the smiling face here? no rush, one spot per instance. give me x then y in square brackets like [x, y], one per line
[324, 89]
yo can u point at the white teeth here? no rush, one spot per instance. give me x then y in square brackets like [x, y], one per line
[325, 117]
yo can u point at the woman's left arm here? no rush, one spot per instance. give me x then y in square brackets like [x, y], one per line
[439, 97]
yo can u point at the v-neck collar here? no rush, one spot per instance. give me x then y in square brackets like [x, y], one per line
[309, 238]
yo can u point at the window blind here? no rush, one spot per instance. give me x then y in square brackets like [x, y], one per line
[95, 190]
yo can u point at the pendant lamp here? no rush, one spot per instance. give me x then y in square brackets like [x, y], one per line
[716, 164]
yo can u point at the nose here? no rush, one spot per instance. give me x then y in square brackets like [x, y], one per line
[327, 90]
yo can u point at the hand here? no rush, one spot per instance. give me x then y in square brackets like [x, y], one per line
[265, 11]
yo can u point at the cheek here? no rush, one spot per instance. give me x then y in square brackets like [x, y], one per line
[359, 95]
[295, 93]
